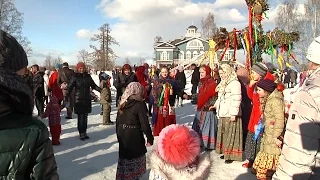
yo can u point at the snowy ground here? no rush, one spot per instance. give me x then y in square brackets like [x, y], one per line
[96, 159]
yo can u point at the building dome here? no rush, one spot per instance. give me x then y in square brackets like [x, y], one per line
[192, 27]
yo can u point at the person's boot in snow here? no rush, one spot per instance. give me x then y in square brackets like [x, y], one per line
[86, 136]
[82, 137]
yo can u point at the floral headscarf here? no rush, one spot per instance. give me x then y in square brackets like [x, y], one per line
[134, 90]
[231, 76]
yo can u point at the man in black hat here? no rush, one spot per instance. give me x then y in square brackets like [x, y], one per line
[65, 75]
[25, 148]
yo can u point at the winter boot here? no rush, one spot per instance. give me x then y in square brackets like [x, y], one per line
[86, 136]
[82, 137]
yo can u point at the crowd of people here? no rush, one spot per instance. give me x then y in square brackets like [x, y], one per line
[235, 115]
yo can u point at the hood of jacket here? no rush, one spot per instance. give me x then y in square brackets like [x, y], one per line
[15, 94]
[167, 171]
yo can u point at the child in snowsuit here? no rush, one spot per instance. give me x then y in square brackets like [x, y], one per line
[52, 111]
[105, 99]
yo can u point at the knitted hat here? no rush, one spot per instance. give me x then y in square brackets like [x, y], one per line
[12, 54]
[313, 53]
[267, 85]
[178, 145]
[80, 65]
[58, 66]
[260, 68]
[65, 64]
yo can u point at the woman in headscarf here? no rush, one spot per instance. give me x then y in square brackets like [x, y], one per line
[81, 83]
[205, 121]
[229, 137]
[131, 123]
[163, 92]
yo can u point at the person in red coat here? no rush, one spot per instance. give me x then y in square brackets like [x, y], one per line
[252, 146]
[52, 111]
[53, 84]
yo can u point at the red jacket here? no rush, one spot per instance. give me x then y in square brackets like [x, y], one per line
[53, 85]
[256, 112]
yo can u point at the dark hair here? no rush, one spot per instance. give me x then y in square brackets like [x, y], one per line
[65, 64]
[165, 67]
[36, 66]
[193, 64]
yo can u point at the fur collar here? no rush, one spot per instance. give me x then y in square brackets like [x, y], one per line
[169, 172]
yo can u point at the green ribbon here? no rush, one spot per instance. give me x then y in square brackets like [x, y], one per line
[161, 96]
[265, 15]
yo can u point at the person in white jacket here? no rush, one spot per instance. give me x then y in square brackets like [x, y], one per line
[300, 157]
[46, 87]
[229, 136]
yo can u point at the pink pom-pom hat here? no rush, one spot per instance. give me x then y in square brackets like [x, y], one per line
[178, 145]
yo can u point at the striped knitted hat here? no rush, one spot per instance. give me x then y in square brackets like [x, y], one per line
[260, 68]
[267, 85]
[12, 54]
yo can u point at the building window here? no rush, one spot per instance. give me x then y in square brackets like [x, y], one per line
[195, 53]
[188, 55]
[164, 55]
[181, 55]
[195, 44]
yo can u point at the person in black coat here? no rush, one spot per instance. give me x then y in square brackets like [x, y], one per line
[82, 82]
[131, 125]
[195, 79]
[38, 88]
[181, 81]
[123, 79]
[25, 147]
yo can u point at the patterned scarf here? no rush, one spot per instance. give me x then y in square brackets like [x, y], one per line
[133, 91]
[231, 76]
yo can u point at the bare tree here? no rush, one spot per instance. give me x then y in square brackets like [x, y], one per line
[57, 60]
[11, 21]
[208, 26]
[312, 19]
[127, 61]
[157, 40]
[142, 61]
[48, 61]
[104, 54]
[85, 57]
[288, 16]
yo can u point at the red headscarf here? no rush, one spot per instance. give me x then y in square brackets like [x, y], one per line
[207, 88]
[141, 76]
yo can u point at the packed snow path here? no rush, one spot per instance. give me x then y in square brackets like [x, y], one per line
[96, 158]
